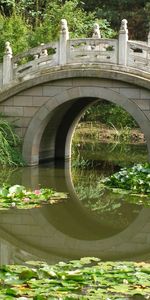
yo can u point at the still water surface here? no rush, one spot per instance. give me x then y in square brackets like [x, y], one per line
[87, 223]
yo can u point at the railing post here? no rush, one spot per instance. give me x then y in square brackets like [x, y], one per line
[7, 64]
[96, 31]
[64, 37]
[123, 39]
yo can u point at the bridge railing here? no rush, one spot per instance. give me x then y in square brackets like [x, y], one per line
[65, 51]
[138, 55]
[92, 50]
[34, 58]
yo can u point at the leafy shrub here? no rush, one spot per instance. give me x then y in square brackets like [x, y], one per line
[15, 30]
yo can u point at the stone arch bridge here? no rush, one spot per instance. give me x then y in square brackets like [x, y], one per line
[46, 95]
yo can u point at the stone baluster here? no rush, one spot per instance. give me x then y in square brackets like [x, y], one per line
[7, 64]
[43, 51]
[64, 37]
[96, 31]
[123, 39]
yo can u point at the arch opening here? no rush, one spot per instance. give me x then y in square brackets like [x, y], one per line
[50, 132]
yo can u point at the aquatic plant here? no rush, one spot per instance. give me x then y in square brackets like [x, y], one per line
[87, 278]
[135, 179]
[17, 196]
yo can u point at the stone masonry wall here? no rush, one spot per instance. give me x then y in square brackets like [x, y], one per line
[22, 107]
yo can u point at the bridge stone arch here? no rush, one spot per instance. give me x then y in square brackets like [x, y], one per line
[50, 131]
[47, 104]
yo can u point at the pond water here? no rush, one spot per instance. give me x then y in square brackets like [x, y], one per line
[87, 223]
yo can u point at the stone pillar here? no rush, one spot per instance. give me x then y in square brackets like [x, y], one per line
[64, 37]
[7, 64]
[123, 38]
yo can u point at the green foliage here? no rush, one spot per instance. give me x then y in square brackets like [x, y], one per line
[87, 278]
[17, 196]
[9, 145]
[109, 113]
[135, 179]
[137, 13]
[31, 10]
[15, 30]
[80, 23]
[30, 24]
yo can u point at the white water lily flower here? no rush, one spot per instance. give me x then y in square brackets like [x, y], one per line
[16, 189]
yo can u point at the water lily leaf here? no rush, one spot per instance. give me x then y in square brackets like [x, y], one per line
[11, 291]
[88, 260]
[3, 192]
[28, 274]
[145, 270]
[103, 280]
[7, 297]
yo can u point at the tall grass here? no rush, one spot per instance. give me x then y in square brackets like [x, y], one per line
[10, 153]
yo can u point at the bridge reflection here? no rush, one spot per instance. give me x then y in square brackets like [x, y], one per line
[66, 230]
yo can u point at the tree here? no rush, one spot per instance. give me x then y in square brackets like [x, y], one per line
[137, 12]
[15, 30]
[80, 23]
[30, 23]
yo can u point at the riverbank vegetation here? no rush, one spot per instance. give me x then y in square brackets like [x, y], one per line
[26, 24]
[10, 144]
[87, 278]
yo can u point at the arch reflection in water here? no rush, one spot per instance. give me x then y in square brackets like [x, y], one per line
[66, 230]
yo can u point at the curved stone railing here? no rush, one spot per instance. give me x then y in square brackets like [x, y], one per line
[138, 54]
[92, 50]
[65, 51]
[34, 58]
